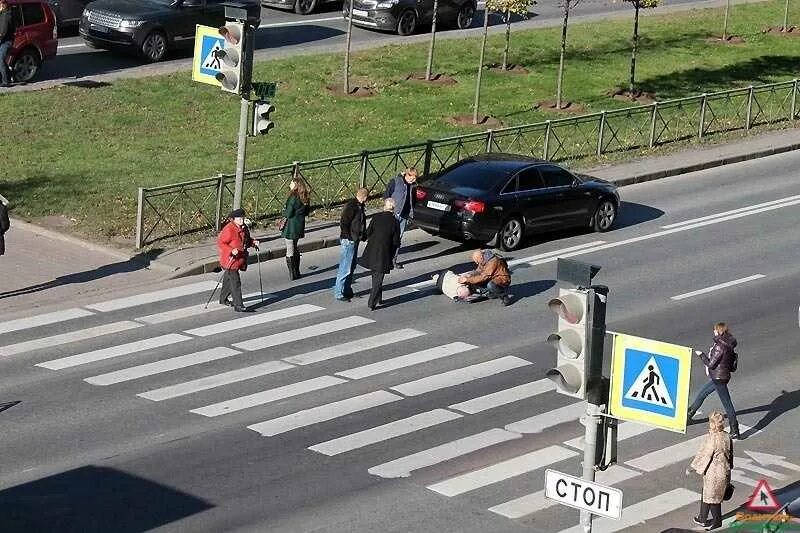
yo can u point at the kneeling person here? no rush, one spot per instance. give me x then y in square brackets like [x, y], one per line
[492, 277]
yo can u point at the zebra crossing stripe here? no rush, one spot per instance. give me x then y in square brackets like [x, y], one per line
[268, 396]
[460, 376]
[303, 333]
[501, 471]
[384, 432]
[253, 320]
[323, 413]
[540, 422]
[625, 431]
[403, 466]
[165, 365]
[195, 310]
[348, 348]
[214, 381]
[66, 338]
[403, 361]
[504, 397]
[114, 351]
[151, 297]
[43, 320]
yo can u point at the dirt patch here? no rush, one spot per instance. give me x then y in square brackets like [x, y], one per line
[355, 92]
[566, 107]
[639, 97]
[466, 120]
[791, 31]
[510, 69]
[57, 222]
[732, 39]
[436, 79]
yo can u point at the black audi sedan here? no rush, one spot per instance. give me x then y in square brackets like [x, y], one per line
[405, 16]
[509, 197]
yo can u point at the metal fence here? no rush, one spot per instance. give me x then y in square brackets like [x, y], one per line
[194, 209]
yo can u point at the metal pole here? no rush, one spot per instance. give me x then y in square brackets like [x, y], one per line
[653, 125]
[140, 220]
[489, 141]
[363, 179]
[590, 445]
[600, 133]
[794, 101]
[244, 111]
[749, 109]
[702, 127]
[218, 211]
[428, 157]
[547, 141]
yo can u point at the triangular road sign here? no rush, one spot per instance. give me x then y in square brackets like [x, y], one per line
[763, 499]
[649, 386]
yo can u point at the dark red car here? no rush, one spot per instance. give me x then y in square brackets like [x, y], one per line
[36, 38]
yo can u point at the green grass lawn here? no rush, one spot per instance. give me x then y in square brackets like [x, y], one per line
[83, 152]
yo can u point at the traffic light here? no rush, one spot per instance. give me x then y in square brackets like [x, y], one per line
[261, 121]
[570, 341]
[232, 57]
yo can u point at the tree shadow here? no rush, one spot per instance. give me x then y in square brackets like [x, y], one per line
[787, 401]
[139, 261]
[94, 499]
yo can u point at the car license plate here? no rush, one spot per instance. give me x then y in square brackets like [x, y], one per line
[101, 29]
[360, 13]
[438, 206]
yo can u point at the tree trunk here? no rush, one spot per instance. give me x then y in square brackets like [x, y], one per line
[433, 41]
[347, 50]
[631, 84]
[508, 40]
[563, 51]
[786, 17]
[725, 24]
[480, 65]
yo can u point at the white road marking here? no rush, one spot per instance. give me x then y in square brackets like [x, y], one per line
[65, 338]
[216, 380]
[324, 413]
[739, 477]
[268, 396]
[195, 310]
[403, 466]
[504, 397]
[459, 376]
[501, 471]
[65, 46]
[43, 320]
[303, 333]
[359, 345]
[114, 351]
[403, 361]
[731, 212]
[253, 320]
[536, 501]
[717, 287]
[384, 432]
[540, 422]
[150, 297]
[299, 22]
[158, 367]
[635, 514]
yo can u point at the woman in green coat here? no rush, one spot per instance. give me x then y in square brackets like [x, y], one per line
[295, 212]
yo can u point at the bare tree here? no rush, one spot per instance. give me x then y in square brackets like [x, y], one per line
[347, 49]
[725, 22]
[637, 5]
[566, 5]
[509, 8]
[480, 65]
[433, 40]
[785, 26]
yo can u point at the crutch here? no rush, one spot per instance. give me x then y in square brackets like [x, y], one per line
[218, 282]
[260, 282]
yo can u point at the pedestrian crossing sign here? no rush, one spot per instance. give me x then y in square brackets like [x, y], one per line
[206, 63]
[650, 382]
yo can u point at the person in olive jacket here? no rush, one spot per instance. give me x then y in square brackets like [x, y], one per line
[720, 361]
[383, 240]
[294, 212]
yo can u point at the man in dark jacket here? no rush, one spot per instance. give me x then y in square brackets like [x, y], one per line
[353, 225]
[233, 242]
[719, 362]
[383, 239]
[5, 224]
[402, 190]
[7, 31]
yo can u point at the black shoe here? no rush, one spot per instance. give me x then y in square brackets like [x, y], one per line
[242, 309]
[226, 302]
[398, 266]
[699, 522]
[343, 299]
[735, 435]
[712, 527]
[505, 300]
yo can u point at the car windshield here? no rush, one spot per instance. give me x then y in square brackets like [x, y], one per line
[479, 175]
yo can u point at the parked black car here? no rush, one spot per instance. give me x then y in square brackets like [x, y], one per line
[405, 16]
[511, 196]
[301, 7]
[150, 27]
[68, 12]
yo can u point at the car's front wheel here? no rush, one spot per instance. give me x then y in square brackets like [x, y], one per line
[511, 234]
[605, 216]
[305, 7]
[407, 24]
[26, 66]
[154, 46]
[465, 16]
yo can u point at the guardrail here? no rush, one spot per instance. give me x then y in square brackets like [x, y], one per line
[196, 208]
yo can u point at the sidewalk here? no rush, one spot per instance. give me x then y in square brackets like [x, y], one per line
[203, 258]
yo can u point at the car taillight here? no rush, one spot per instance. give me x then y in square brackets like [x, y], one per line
[421, 194]
[473, 206]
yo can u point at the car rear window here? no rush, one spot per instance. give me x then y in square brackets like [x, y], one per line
[479, 175]
[32, 14]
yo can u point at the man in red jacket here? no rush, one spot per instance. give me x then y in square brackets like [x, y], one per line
[233, 242]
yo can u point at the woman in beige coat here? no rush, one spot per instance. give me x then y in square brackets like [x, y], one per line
[714, 462]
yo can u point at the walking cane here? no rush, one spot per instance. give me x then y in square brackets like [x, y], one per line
[218, 282]
[260, 282]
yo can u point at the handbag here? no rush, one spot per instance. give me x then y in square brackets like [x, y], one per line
[728, 492]
[281, 223]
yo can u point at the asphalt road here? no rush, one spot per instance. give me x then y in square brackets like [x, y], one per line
[203, 440]
[284, 33]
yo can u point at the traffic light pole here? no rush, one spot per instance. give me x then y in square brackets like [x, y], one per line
[240, 153]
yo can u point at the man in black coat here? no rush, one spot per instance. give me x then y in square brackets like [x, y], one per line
[383, 240]
[5, 224]
[353, 226]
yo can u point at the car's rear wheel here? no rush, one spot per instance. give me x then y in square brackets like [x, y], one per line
[465, 16]
[604, 216]
[305, 7]
[154, 46]
[407, 24]
[511, 234]
[26, 66]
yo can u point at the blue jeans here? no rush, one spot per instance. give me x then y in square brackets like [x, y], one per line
[403, 224]
[722, 391]
[347, 264]
[5, 73]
